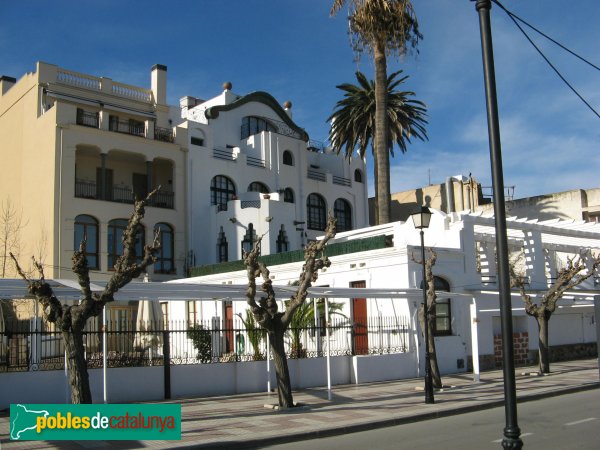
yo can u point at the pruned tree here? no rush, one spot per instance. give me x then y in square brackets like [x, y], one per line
[265, 309]
[11, 224]
[430, 308]
[577, 269]
[71, 319]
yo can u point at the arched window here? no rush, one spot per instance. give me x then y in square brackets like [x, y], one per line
[358, 177]
[283, 245]
[343, 213]
[316, 212]
[222, 190]
[222, 247]
[114, 238]
[288, 158]
[288, 195]
[253, 125]
[442, 324]
[257, 186]
[165, 259]
[86, 227]
[249, 239]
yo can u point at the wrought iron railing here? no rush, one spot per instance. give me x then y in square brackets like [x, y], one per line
[25, 346]
[121, 194]
[163, 134]
[88, 119]
[132, 127]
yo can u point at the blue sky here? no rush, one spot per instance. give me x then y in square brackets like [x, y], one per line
[295, 51]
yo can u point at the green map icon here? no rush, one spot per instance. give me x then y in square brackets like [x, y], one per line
[23, 419]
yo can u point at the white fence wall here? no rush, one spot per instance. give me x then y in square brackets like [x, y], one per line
[136, 384]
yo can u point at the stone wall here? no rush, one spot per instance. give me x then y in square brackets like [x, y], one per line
[520, 346]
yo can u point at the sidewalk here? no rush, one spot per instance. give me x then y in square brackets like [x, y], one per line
[242, 421]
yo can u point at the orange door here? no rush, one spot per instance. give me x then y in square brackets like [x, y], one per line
[228, 327]
[360, 341]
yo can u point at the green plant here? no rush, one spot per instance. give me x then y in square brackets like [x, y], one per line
[202, 341]
[255, 334]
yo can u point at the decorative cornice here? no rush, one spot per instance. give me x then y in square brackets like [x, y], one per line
[261, 97]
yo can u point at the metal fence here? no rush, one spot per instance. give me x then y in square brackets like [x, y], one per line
[35, 345]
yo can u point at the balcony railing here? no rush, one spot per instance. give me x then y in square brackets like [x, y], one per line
[224, 153]
[256, 162]
[132, 127]
[121, 194]
[316, 175]
[341, 181]
[163, 134]
[88, 119]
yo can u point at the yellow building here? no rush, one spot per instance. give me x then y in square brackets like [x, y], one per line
[75, 149]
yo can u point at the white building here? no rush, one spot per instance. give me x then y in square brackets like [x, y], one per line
[465, 267]
[252, 171]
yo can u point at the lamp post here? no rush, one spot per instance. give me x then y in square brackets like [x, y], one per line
[421, 221]
[512, 432]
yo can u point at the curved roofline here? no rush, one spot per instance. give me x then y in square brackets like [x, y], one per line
[261, 97]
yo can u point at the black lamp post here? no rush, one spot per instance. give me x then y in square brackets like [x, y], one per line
[421, 221]
[512, 433]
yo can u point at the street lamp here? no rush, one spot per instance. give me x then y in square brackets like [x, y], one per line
[421, 221]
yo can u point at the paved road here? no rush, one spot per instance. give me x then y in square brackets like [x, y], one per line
[565, 422]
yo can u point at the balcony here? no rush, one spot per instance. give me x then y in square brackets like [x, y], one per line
[133, 127]
[120, 194]
[163, 134]
[88, 119]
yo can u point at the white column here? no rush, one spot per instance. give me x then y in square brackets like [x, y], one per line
[474, 341]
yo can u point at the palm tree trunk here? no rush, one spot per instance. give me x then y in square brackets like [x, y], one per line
[77, 367]
[382, 156]
[282, 373]
[544, 351]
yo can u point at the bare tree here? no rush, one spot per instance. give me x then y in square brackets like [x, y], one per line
[11, 224]
[71, 319]
[578, 269]
[431, 301]
[266, 312]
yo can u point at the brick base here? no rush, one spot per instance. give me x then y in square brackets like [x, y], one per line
[520, 346]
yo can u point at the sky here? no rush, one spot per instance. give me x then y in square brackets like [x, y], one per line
[295, 51]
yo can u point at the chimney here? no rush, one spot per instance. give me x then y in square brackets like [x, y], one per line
[6, 83]
[159, 84]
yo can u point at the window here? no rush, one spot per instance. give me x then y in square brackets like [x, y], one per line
[197, 141]
[288, 158]
[283, 244]
[249, 239]
[86, 227]
[254, 125]
[116, 228]
[358, 176]
[140, 185]
[316, 212]
[191, 312]
[165, 260]
[343, 213]
[222, 190]
[442, 324]
[222, 247]
[288, 195]
[257, 186]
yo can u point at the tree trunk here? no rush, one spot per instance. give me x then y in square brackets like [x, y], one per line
[282, 373]
[544, 351]
[382, 155]
[77, 366]
[433, 364]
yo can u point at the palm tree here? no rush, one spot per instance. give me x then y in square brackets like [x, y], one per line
[382, 28]
[353, 120]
